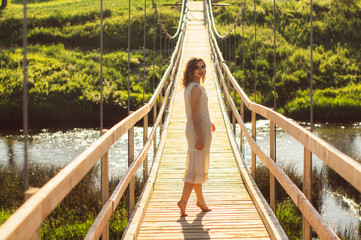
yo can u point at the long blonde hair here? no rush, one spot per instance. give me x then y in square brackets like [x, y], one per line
[188, 72]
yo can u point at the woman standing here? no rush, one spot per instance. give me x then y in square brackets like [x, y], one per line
[198, 133]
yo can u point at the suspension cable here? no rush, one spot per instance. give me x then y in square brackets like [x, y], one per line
[214, 25]
[244, 75]
[129, 59]
[145, 16]
[25, 96]
[255, 53]
[311, 65]
[162, 25]
[154, 38]
[101, 66]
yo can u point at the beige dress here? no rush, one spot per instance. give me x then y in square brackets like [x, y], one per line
[197, 162]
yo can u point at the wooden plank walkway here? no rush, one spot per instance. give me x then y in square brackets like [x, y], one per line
[234, 214]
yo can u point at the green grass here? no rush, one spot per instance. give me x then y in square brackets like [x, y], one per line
[72, 218]
[336, 52]
[70, 79]
[64, 58]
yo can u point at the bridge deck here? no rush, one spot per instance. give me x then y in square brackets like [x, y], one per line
[234, 214]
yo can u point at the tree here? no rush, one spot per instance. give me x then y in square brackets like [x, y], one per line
[345, 6]
[4, 3]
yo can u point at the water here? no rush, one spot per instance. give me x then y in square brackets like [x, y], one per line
[57, 147]
[342, 213]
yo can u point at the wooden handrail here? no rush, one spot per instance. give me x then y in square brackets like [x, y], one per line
[103, 217]
[344, 165]
[341, 163]
[29, 217]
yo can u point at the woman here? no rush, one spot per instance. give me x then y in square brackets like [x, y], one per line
[198, 132]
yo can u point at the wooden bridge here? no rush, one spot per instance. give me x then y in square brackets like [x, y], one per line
[239, 209]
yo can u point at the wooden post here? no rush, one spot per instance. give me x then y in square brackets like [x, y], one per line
[233, 115]
[253, 168]
[28, 193]
[272, 180]
[155, 135]
[130, 161]
[307, 190]
[241, 136]
[228, 104]
[105, 186]
[226, 99]
[145, 138]
[160, 106]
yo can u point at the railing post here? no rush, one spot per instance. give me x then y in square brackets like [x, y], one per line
[233, 115]
[307, 190]
[160, 106]
[228, 103]
[28, 193]
[105, 186]
[272, 180]
[145, 138]
[130, 161]
[241, 132]
[253, 168]
[155, 135]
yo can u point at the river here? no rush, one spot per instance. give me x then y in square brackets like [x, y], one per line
[49, 147]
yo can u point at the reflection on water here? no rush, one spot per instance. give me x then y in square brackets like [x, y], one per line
[341, 203]
[59, 147]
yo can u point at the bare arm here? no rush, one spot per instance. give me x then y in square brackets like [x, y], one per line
[196, 93]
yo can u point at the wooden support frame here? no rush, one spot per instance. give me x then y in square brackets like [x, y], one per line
[145, 139]
[233, 116]
[307, 190]
[272, 181]
[131, 190]
[105, 185]
[313, 143]
[253, 167]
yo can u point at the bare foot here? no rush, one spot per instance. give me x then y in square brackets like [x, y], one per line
[203, 206]
[182, 207]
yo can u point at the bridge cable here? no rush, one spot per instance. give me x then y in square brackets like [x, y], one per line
[101, 66]
[161, 23]
[311, 65]
[25, 96]
[255, 53]
[154, 38]
[160, 51]
[244, 75]
[235, 47]
[274, 90]
[145, 16]
[129, 59]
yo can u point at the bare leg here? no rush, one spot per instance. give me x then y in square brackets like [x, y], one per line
[200, 199]
[182, 204]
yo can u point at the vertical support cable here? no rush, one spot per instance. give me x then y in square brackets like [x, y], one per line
[311, 66]
[129, 60]
[273, 190]
[243, 46]
[229, 47]
[165, 46]
[235, 44]
[255, 53]
[25, 96]
[154, 38]
[145, 16]
[160, 50]
[101, 67]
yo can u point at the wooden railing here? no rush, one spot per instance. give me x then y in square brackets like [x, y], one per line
[26, 221]
[345, 166]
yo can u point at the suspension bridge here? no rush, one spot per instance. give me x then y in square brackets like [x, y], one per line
[239, 209]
